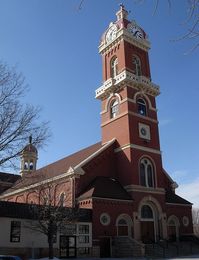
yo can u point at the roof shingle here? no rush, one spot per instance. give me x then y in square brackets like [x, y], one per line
[105, 187]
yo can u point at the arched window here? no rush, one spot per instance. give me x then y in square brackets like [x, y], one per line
[31, 166]
[146, 173]
[173, 228]
[137, 66]
[122, 222]
[61, 199]
[141, 107]
[124, 225]
[45, 200]
[114, 108]
[25, 165]
[114, 67]
[146, 212]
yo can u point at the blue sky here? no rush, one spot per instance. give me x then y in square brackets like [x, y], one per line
[55, 46]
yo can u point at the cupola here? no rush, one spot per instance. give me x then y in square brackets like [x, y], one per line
[28, 158]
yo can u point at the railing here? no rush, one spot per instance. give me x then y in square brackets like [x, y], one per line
[166, 249]
[128, 76]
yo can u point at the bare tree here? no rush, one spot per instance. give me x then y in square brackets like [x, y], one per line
[195, 216]
[17, 121]
[190, 23]
[51, 213]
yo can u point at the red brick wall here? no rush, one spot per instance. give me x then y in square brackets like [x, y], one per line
[102, 165]
[179, 211]
[114, 209]
[124, 52]
[33, 195]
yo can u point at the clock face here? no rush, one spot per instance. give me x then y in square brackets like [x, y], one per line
[136, 31]
[143, 131]
[111, 34]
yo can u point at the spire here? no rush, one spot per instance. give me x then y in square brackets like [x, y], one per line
[30, 139]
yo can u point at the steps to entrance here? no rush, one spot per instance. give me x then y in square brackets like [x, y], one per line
[126, 247]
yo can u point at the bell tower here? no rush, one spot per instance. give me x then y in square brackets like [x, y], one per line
[128, 111]
[28, 158]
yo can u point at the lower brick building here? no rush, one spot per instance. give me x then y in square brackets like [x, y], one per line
[121, 179]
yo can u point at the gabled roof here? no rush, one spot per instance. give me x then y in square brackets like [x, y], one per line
[7, 180]
[9, 177]
[105, 187]
[173, 198]
[60, 168]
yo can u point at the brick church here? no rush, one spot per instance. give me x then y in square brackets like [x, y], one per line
[121, 179]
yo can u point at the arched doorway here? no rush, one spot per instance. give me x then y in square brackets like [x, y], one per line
[150, 220]
[124, 225]
[147, 224]
[173, 228]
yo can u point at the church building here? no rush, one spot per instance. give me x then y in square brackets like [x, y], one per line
[121, 179]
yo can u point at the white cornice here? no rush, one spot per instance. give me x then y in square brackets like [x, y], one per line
[123, 79]
[138, 188]
[100, 198]
[138, 147]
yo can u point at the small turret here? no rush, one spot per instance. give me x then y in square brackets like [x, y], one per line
[122, 13]
[28, 158]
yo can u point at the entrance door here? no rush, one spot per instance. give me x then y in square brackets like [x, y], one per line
[172, 233]
[147, 231]
[105, 247]
[67, 246]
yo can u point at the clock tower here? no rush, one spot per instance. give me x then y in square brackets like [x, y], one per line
[128, 95]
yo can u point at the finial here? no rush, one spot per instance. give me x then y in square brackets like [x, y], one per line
[121, 5]
[30, 139]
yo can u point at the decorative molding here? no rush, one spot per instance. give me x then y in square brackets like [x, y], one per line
[138, 147]
[110, 199]
[109, 98]
[123, 79]
[143, 117]
[139, 188]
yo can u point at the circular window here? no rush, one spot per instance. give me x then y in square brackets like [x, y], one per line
[185, 221]
[105, 219]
